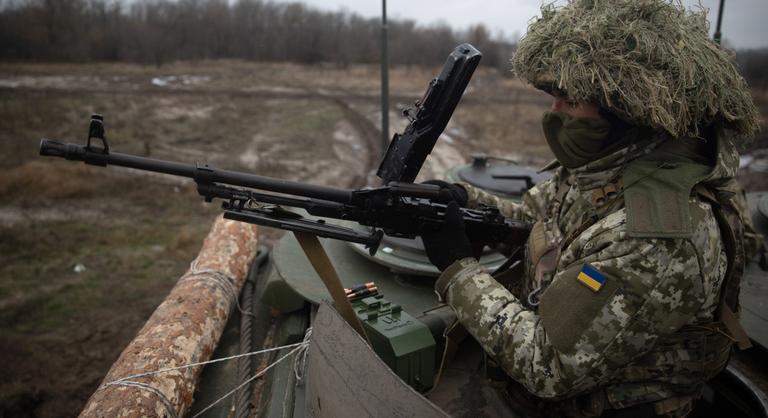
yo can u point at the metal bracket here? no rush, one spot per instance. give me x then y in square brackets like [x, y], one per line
[96, 155]
[96, 130]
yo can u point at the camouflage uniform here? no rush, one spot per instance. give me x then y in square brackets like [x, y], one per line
[643, 336]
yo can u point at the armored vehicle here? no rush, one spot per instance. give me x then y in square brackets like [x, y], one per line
[414, 365]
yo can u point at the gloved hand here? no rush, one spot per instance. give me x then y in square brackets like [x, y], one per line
[450, 243]
[450, 191]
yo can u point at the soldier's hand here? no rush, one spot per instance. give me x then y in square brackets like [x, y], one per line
[450, 191]
[450, 243]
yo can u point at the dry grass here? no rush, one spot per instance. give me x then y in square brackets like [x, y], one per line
[29, 182]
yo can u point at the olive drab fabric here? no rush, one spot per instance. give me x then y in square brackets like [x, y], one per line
[577, 141]
[610, 304]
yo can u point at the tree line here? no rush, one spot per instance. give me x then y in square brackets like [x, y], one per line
[753, 63]
[159, 31]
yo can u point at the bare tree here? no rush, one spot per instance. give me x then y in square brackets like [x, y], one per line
[157, 31]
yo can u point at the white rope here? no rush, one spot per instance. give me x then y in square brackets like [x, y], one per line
[217, 276]
[300, 362]
[187, 366]
[166, 402]
[225, 282]
[252, 378]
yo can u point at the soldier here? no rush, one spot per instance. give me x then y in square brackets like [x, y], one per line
[626, 303]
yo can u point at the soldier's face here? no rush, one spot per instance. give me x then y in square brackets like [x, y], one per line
[574, 108]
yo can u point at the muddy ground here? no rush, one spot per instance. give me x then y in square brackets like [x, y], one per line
[87, 253]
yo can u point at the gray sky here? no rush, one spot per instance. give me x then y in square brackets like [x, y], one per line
[745, 22]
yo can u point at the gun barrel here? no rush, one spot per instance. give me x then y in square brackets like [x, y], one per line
[203, 173]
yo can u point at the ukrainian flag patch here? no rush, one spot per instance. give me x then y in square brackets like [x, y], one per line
[591, 278]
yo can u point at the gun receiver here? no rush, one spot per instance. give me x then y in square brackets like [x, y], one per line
[399, 209]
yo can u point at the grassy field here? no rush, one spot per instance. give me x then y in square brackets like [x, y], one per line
[87, 253]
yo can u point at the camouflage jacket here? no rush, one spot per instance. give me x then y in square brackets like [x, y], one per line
[558, 336]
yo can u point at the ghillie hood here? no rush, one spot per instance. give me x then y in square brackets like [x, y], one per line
[649, 62]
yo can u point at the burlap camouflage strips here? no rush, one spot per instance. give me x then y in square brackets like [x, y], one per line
[626, 338]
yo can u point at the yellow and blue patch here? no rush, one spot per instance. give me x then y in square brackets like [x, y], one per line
[591, 278]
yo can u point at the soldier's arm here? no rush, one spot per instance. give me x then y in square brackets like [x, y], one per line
[532, 207]
[580, 337]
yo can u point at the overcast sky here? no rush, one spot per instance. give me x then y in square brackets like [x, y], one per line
[745, 22]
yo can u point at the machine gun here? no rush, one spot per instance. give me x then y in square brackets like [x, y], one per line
[399, 209]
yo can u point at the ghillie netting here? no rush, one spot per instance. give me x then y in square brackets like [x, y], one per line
[650, 62]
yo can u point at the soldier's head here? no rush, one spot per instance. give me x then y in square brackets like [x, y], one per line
[575, 108]
[647, 63]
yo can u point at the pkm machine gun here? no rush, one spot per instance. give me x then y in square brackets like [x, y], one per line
[399, 209]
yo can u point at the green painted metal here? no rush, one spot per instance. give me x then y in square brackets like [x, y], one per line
[500, 178]
[414, 293]
[404, 343]
[279, 294]
[219, 378]
[279, 394]
[405, 256]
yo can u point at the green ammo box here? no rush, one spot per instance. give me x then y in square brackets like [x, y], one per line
[402, 341]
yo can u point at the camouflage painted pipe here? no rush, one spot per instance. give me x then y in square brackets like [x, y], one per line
[184, 329]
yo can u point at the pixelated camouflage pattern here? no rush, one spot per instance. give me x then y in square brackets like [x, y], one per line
[637, 340]
[724, 178]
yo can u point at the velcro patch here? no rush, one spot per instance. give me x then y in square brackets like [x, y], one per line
[656, 196]
[591, 278]
[568, 308]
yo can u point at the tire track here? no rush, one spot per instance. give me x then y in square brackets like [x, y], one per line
[368, 132]
[337, 94]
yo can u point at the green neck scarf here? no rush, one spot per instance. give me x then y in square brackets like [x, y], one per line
[577, 141]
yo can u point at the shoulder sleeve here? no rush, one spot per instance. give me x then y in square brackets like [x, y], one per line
[531, 208]
[580, 337]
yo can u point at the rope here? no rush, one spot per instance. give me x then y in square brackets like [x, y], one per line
[300, 362]
[125, 381]
[187, 366]
[242, 397]
[166, 402]
[252, 378]
[225, 282]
